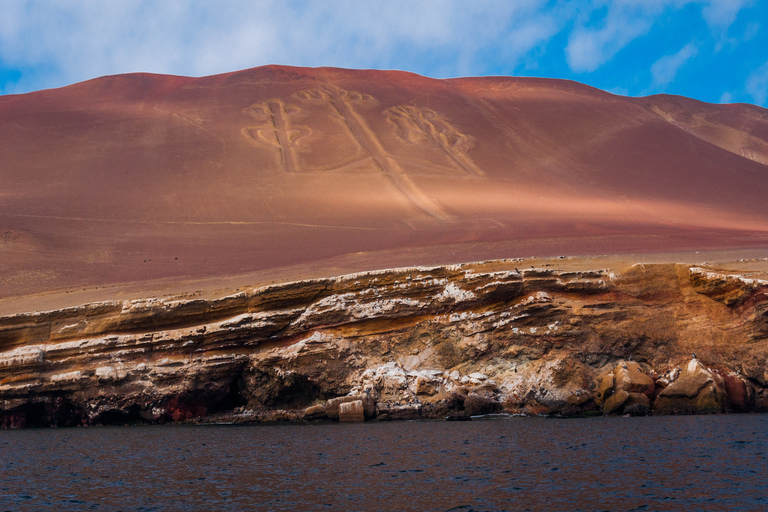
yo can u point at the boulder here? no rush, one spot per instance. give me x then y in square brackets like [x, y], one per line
[637, 404]
[315, 412]
[477, 379]
[710, 399]
[693, 378]
[615, 401]
[332, 406]
[625, 390]
[630, 377]
[696, 390]
[605, 388]
[661, 382]
[352, 411]
[740, 393]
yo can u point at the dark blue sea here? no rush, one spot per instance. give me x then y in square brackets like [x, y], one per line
[655, 463]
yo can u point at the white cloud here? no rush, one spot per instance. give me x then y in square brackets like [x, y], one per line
[664, 70]
[751, 31]
[722, 13]
[80, 39]
[757, 84]
[727, 97]
[590, 47]
[58, 42]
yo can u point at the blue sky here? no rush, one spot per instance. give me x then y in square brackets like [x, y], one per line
[712, 50]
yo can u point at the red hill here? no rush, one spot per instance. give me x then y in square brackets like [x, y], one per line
[139, 177]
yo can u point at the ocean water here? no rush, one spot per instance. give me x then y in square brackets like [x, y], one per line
[655, 463]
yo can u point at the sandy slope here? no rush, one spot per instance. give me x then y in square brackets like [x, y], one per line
[280, 172]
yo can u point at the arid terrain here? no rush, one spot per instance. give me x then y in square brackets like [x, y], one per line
[269, 243]
[141, 177]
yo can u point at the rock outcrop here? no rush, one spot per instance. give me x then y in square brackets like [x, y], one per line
[422, 342]
[627, 389]
[351, 411]
[694, 389]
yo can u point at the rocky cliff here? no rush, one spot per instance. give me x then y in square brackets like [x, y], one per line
[445, 341]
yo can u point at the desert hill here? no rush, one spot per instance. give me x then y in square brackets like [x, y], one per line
[298, 244]
[140, 177]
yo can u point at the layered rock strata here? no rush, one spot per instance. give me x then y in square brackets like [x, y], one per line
[422, 342]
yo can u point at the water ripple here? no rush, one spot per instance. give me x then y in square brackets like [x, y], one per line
[662, 463]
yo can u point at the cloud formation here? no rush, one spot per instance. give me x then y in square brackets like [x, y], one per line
[48, 44]
[590, 46]
[664, 70]
[722, 13]
[80, 39]
[757, 84]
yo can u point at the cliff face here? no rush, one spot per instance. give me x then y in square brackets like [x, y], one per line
[278, 174]
[411, 342]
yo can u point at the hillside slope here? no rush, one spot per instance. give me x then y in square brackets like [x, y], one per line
[139, 177]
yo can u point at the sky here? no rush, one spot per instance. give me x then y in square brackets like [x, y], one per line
[711, 50]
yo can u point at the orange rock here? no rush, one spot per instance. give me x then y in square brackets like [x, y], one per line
[352, 411]
[605, 388]
[314, 412]
[615, 402]
[333, 406]
[696, 390]
[630, 377]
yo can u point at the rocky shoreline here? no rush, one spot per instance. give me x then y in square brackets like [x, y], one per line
[629, 389]
[411, 343]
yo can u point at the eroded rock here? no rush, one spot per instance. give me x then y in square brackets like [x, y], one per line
[333, 406]
[630, 377]
[351, 411]
[627, 389]
[315, 412]
[615, 402]
[696, 390]
[421, 342]
[740, 393]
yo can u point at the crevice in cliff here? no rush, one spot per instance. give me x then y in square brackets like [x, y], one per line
[264, 387]
[130, 416]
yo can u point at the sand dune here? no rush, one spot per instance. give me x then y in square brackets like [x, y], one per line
[141, 177]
